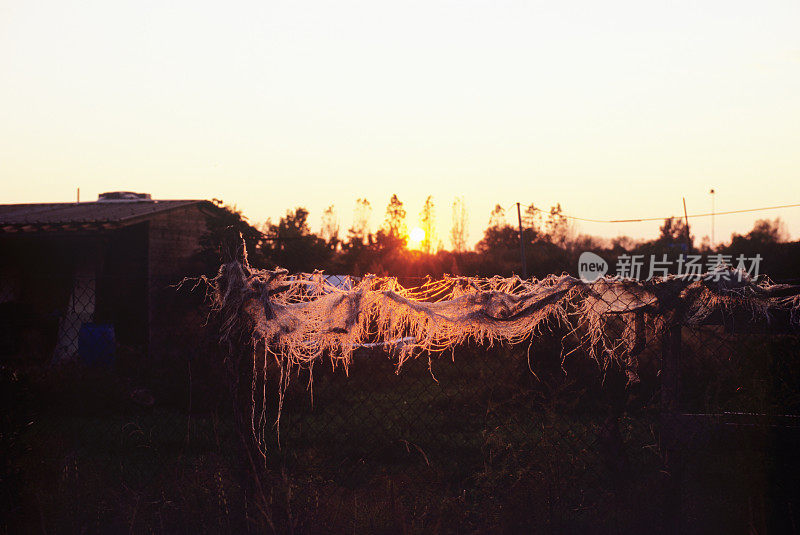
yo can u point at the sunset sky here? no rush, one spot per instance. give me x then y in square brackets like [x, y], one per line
[614, 109]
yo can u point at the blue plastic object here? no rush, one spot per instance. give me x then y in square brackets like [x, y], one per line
[96, 344]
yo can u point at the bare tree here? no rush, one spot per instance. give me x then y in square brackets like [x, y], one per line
[459, 232]
[558, 227]
[498, 217]
[427, 217]
[362, 213]
[330, 227]
[395, 222]
[532, 218]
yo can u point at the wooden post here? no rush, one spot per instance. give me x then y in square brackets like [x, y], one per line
[241, 369]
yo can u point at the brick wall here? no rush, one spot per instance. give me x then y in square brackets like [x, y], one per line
[174, 239]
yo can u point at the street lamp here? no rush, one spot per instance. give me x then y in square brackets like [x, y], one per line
[712, 192]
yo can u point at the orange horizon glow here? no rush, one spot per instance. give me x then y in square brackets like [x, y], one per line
[615, 110]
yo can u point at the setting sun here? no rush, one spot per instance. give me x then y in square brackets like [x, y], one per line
[415, 238]
[544, 258]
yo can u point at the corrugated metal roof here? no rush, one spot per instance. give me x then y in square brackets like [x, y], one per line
[103, 214]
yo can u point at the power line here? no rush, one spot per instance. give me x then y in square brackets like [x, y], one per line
[643, 219]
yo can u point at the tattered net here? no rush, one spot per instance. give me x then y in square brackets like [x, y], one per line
[300, 319]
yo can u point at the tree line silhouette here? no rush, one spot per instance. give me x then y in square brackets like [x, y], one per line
[551, 243]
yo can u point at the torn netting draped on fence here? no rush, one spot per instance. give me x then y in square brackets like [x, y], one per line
[304, 317]
[299, 319]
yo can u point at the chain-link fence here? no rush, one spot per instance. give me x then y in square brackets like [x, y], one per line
[119, 419]
[516, 438]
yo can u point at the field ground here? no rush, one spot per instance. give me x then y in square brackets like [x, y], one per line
[488, 448]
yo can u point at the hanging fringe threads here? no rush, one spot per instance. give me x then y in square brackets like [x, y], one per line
[297, 320]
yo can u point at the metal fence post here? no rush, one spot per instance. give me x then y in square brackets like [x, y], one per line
[670, 441]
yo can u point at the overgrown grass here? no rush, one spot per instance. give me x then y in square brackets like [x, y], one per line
[476, 444]
[88, 459]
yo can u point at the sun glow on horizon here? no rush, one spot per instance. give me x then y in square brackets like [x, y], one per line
[271, 105]
[415, 238]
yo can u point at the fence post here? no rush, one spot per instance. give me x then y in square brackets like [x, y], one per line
[670, 441]
[241, 371]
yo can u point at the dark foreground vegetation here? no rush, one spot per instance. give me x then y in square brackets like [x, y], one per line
[486, 440]
[501, 439]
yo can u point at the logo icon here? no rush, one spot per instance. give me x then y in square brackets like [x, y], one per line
[591, 267]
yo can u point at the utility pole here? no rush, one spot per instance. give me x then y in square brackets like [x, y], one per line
[522, 244]
[686, 220]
